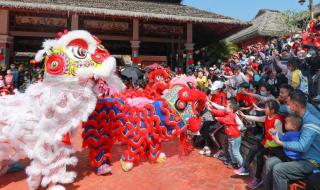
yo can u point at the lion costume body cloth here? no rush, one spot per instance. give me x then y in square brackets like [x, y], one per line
[142, 123]
[38, 123]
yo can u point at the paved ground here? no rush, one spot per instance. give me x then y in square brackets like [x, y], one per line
[192, 172]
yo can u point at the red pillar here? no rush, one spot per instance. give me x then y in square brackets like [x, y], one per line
[189, 45]
[6, 41]
[135, 43]
[74, 22]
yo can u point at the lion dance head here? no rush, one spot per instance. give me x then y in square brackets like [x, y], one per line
[79, 55]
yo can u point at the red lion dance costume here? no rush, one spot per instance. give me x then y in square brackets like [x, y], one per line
[158, 81]
[143, 126]
[38, 123]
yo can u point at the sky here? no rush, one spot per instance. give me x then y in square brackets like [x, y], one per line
[246, 9]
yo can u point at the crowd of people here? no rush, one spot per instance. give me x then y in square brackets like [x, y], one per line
[18, 78]
[272, 89]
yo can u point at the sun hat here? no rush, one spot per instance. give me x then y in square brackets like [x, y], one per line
[216, 85]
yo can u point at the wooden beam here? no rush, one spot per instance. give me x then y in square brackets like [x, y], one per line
[135, 31]
[4, 21]
[161, 40]
[102, 37]
[114, 38]
[33, 34]
[189, 33]
[74, 22]
[53, 35]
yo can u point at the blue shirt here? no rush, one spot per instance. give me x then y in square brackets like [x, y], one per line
[309, 142]
[285, 110]
[15, 74]
[291, 136]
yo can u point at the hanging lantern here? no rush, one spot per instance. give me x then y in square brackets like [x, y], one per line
[33, 62]
[190, 59]
[135, 60]
[135, 55]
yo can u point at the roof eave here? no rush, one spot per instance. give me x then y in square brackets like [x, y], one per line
[241, 38]
[108, 12]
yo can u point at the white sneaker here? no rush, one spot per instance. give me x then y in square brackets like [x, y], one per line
[242, 172]
[205, 151]
[208, 153]
[317, 98]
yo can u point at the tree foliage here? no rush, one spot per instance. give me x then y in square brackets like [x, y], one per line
[221, 50]
[294, 20]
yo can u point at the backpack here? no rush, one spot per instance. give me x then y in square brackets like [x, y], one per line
[303, 86]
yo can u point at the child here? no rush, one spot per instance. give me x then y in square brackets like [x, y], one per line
[202, 80]
[227, 118]
[218, 96]
[208, 126]
[245, 101]
[1, 82]
[293, 125]
[272, 120]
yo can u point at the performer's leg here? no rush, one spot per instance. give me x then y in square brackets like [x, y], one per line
[155, 154]
[4, 166]
[34, 174]
[128, 157]
[105, 166]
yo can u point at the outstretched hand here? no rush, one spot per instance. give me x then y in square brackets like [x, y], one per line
[241, 113]
[277, 140]
[257, 107]
[272, 131]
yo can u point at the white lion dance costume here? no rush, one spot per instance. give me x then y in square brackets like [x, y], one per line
[38, 123]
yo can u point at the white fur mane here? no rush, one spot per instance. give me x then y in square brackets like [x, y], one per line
[33, 124]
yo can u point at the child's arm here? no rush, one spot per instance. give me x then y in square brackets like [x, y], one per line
[276, 130]
[278, 126]
[253, 118]
[257, 108]
[277, 140]
[245, 108]
[225, 121]
[217, 113]
[217, 106]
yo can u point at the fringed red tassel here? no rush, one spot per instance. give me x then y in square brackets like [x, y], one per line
[185, 146]
[66, 139]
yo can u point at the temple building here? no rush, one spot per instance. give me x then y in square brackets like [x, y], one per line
[148, 30]
[266, 24]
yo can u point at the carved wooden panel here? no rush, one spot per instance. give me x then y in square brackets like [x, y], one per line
[162, 29]
[41, 21]
[106, 25]
[38, 22]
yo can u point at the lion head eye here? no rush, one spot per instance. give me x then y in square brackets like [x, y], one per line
[185, 94]
[180, 105]
[54, 64]
[159, 77]
[79, 53]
